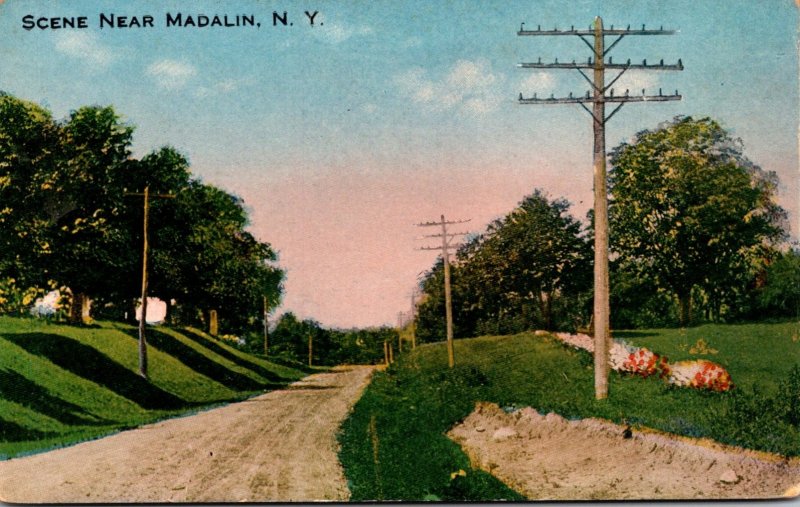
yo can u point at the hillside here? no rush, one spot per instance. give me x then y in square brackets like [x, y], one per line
[63, 384]
[408, 409]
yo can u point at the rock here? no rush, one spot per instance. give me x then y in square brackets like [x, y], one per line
[504, 433]
[729, 477]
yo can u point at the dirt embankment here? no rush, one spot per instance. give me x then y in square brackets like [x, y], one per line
[280, 446]
[551, 458]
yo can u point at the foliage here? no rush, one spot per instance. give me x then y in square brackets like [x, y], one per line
[70, 218]
[780, 294]
[689, 209]
[530, 269]
[330, 346]
[64, 384]
[29, 194]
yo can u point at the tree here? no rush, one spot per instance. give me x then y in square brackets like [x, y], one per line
[30, 192]
[91, 245]
[529, 269]
[688, 209]
[780, 294]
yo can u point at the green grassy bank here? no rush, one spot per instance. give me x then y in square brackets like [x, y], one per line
[63, 384]
[393, 444]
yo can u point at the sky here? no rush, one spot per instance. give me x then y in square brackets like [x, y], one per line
[342, 135]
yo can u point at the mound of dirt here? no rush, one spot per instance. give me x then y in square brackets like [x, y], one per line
[547, 457]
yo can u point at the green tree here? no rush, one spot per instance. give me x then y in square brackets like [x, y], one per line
[91, 244]
[780, 294]
[31, 196]
[530, 269]
[688, 210]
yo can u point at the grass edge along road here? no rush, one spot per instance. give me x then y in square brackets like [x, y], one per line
[394, 445]
[61, 385]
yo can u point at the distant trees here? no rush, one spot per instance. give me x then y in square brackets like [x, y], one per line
[689, 211]
[530, 269]
[289, 341]
[67, 220]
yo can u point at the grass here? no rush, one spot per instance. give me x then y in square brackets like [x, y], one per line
[63, 384]
[394, 447]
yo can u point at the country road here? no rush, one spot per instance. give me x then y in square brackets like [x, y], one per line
[280, 446]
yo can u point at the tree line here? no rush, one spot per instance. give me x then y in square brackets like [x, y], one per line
[696, 235]
[300, 342]
[69, 221]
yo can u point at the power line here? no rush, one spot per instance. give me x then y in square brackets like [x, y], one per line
[446, 245]
[598, 96]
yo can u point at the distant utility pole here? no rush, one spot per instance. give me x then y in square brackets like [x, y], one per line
[142, 339]
[310, 349]
[599, 98]
[413, 317]
[266, 326]
[446, 238]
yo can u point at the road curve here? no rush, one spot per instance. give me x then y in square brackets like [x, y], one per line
[277, 447]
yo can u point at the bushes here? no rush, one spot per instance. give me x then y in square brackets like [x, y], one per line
[752, 418]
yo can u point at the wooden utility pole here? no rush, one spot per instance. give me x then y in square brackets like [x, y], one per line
[386, 352]
[451, 361]
[413, 317]
[599, 98]
[266, 327]
[142, 320]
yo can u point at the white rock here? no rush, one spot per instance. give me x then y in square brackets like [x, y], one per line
[729, 477]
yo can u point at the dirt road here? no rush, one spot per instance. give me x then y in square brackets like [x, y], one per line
[280, 446]
[546, 457]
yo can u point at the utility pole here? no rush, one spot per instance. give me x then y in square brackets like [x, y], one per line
[266, 326]
[142, 339]
[413, 317]
[446, 238]
[598, 98]
[310, 349]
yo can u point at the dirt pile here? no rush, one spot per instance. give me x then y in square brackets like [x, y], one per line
[547, 457]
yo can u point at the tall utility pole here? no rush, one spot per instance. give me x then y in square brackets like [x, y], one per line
[598, 97]
[446, 238]
[142, 319]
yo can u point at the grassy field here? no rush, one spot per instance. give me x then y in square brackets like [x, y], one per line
[62, 384]
[393, 445]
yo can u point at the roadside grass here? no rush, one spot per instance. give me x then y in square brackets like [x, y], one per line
[64, 384]
[394, 445]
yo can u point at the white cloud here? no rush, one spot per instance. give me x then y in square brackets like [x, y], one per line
[468, 86]
[225, 86]
[337, 33]
[171, 74]
[537, 82]
[85, 46]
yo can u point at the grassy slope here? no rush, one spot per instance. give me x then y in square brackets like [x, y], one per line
[393, 445]
[62, 384]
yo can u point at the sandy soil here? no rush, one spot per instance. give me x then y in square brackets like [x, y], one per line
[550, 458]
[280, 446]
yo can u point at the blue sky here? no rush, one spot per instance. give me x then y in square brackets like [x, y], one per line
[343, 135]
